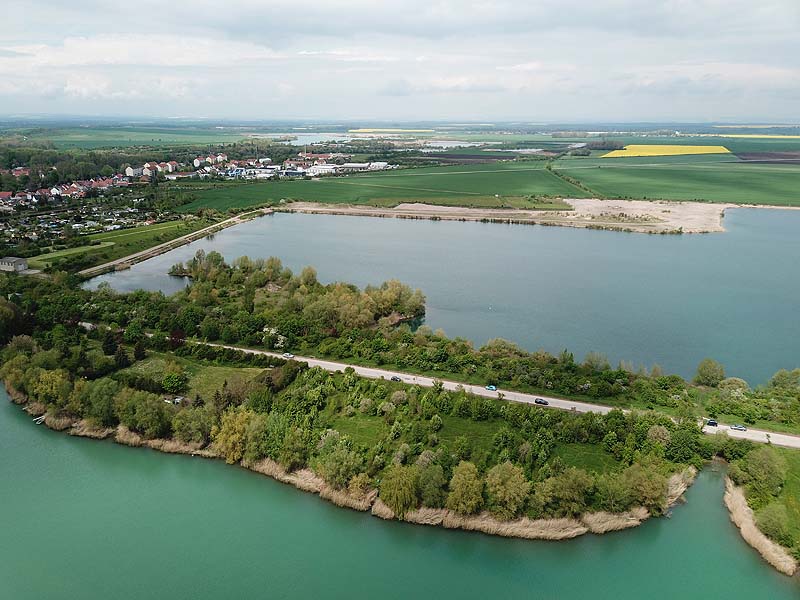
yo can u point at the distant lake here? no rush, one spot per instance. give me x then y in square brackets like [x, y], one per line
[670, 300]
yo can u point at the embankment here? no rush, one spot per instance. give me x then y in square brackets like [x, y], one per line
[743, 517]
[308, 481]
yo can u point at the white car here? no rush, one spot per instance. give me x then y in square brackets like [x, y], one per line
[287, 355]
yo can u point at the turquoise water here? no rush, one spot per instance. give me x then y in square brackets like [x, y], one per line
[667, 300]
[84, 519]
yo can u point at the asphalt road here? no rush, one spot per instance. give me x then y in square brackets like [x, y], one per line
[755, 435]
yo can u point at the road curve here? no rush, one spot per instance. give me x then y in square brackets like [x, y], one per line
[755, 435]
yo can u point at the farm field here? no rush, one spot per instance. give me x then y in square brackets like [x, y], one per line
[665, 150]
[698, 178]
[99, 137]
[462, 185]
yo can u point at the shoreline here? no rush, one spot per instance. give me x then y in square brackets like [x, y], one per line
[633, 216]
[306, 480]
[742, 516]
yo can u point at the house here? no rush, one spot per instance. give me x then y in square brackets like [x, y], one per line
[221, 158]
[173, 166]
[378, 166]
[6, 195]
[164, 167]
[322, 169]
[133, 172]
[355, 167]
[148, 171]
[13, 264]
[202, 160]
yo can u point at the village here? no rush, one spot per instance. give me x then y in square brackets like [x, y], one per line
[305, 164]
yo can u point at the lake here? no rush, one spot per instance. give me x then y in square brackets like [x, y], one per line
[670, 300]
[82, 519]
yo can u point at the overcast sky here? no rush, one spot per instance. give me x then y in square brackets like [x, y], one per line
[535, 60]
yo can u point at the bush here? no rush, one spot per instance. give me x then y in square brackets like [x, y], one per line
[431, 486]
[773, 521]
[709, 372]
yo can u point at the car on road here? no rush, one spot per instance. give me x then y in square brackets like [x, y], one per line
[395, 378]
[738, 427]
[491, 388]
[541, 401]
[287, 355]
[712, 423]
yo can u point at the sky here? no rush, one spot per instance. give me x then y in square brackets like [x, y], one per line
[490, 60]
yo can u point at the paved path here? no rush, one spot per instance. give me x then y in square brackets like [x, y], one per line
[755, 435]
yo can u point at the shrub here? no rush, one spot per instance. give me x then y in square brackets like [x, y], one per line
[773, 521]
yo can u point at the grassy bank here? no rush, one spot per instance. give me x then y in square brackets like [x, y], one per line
[99, 248]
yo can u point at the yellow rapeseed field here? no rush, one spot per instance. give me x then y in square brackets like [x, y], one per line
[664, 150]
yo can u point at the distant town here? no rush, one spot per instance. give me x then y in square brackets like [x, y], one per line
[305, 164]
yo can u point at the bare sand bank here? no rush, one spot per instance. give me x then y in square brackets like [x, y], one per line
[743, 517]
[639, 216]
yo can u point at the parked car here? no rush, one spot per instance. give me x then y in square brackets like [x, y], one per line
[395, 378]
[738, 427]
[287, 355]
[491, 388]
[541, 401]
[712, 423]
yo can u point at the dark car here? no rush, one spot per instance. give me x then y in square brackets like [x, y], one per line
[712, 423]
[395, 378]
[541, 401]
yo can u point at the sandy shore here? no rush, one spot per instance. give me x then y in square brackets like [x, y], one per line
[619, 215]
[742, 516]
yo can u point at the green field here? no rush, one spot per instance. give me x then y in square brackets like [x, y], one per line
[702, 178]
[111, 245]
[204, 379]
[460, 184]
[118, 137]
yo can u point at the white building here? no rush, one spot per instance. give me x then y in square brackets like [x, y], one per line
[133, 172]
[316, 170]
[13, 264]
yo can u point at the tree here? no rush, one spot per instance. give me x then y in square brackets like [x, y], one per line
[773, 521]
[709, 373]
[431, 486]
[506, 489]
[139, 350]
[121, 358]
[294, 453]
[612, 493]
[564, 495]
[109, 343]
[338, 466]
[466, 489]
[193, 425]
[399, 488]
[229, 436]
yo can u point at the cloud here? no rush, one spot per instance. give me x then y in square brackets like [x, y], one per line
[455, 59]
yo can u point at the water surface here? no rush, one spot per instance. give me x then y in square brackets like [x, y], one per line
[648, 299]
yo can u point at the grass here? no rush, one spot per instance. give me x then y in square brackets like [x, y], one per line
[204, 379]
[700, 178]
[790, 494]
[43, 261]
[116, 244]
[586, 456]
[665, 150]
[460, 184]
